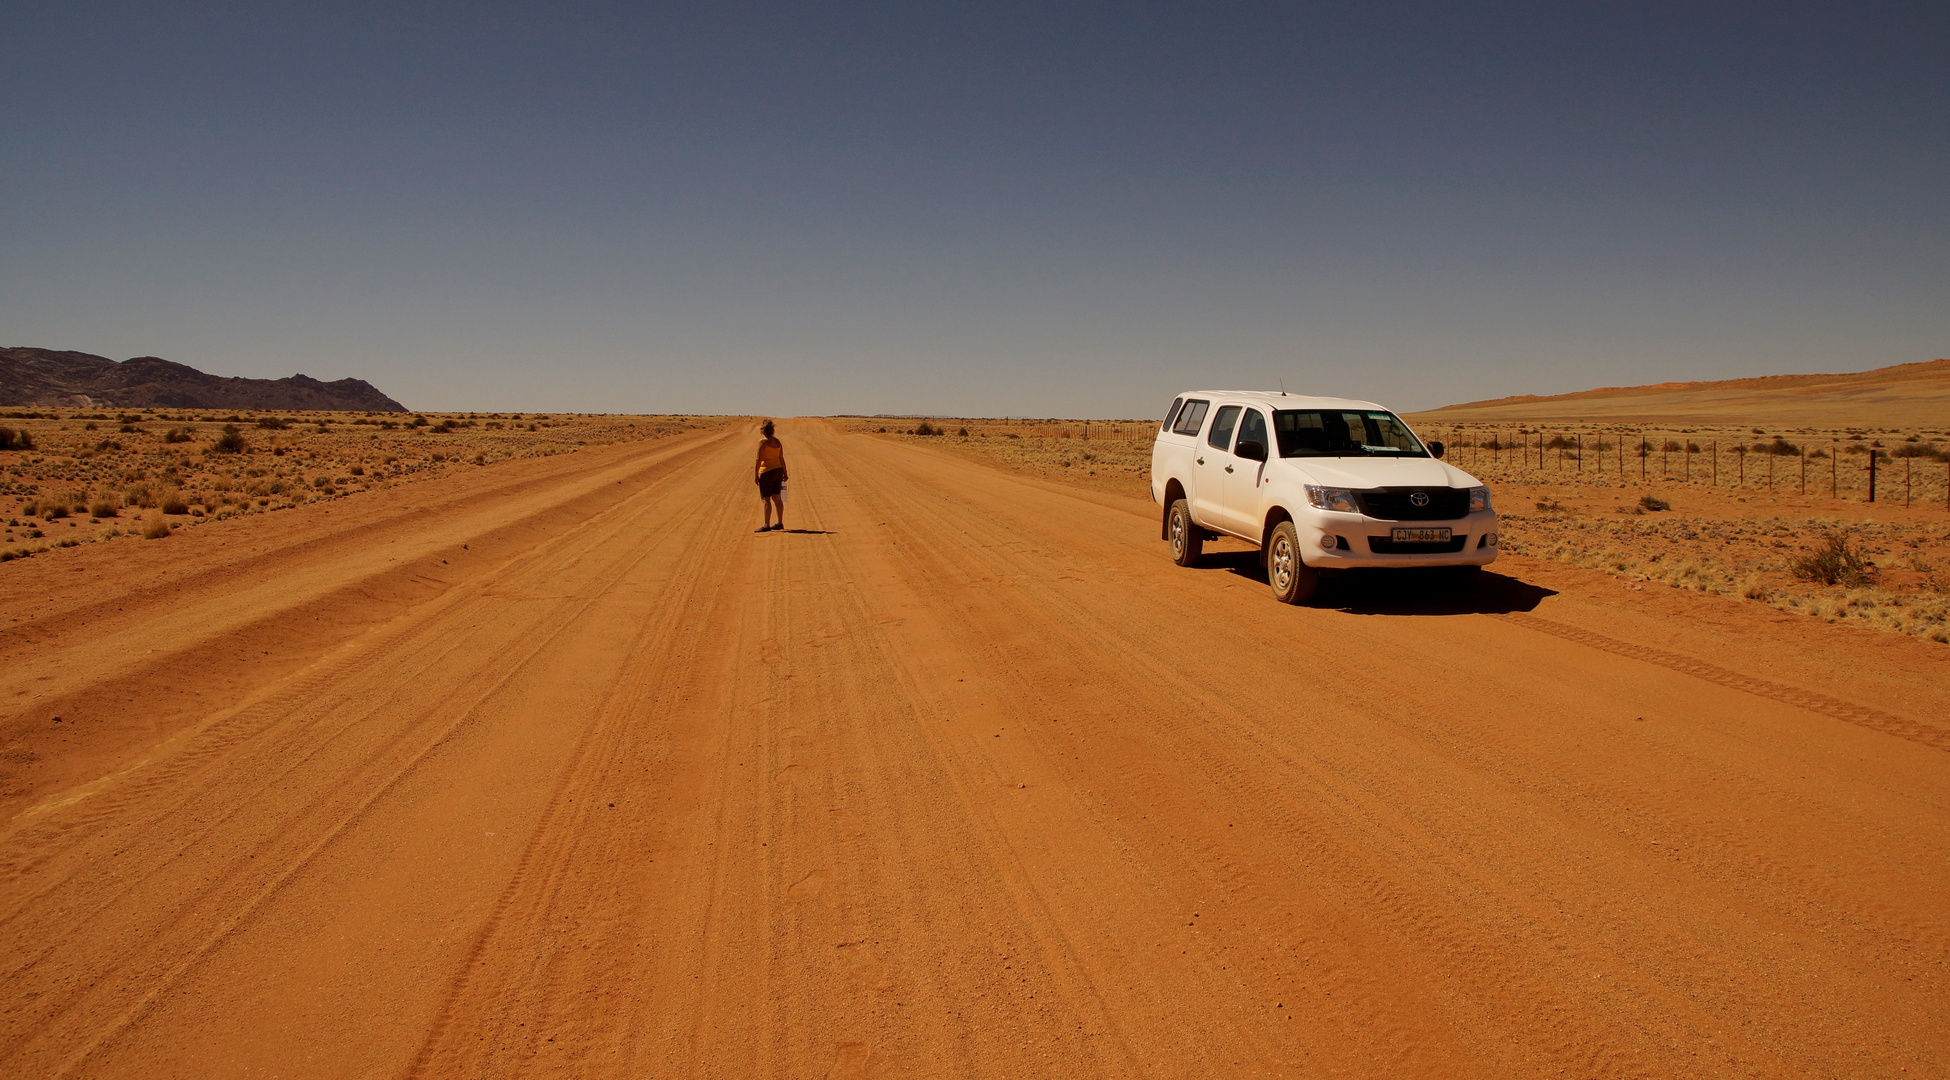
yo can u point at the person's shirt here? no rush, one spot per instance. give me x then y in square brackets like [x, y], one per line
[771, 455]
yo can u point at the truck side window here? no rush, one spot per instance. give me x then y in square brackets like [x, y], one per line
[1171, 414]
[1221, 436]
[1191, 417]
[1253, 427]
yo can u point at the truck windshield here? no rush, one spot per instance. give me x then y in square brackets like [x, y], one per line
[1343, 433]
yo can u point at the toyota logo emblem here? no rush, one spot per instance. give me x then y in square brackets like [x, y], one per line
[1420, 498]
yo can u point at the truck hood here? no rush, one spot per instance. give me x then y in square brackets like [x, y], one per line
[1360, 473]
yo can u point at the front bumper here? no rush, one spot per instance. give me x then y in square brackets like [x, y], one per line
[1353, 536]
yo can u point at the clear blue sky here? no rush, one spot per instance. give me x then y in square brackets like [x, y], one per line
[1038, 209]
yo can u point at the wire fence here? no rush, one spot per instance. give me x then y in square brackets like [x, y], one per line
[1908, 473]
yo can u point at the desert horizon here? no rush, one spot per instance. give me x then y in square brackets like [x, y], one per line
[609, 540]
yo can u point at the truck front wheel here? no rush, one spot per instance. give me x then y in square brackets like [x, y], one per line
[1187, 538]
[1293, 581]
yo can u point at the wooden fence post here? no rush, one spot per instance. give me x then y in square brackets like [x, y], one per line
[1872, 474]
[1804, 470]
[1834, 470]
[1715, 482]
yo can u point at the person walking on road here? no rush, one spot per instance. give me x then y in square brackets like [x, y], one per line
[771, 478]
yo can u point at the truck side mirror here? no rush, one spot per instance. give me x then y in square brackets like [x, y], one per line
[1435, 448]
[1250, 449]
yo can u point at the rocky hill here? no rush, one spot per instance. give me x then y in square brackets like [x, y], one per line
[46, 377]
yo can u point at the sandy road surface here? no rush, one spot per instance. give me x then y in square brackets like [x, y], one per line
[556, 769]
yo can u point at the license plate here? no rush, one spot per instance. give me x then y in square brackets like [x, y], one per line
[1421, 536]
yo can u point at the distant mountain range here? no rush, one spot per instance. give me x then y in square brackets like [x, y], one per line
[47, 377]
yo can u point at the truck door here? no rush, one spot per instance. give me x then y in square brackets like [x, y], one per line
[1242, 510]
[1208, 469]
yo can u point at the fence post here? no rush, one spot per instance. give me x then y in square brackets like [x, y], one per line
[1716, 464]
[1906, 469]
[1642, 456]
[1872, 474]
[1804, 470]
[1834, 469]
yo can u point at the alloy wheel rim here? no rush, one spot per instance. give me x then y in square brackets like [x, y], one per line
[1282, 564]
[1177, 533]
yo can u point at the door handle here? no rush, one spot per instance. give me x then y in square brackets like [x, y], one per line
[1201, 461]
[1228, 468]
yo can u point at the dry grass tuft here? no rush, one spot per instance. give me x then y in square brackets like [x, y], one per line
[155, 528]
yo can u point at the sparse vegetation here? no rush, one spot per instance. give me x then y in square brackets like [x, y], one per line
[1653, 503]
[1835, 562]
[232, 441]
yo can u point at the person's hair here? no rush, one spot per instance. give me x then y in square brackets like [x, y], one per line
[766, 427]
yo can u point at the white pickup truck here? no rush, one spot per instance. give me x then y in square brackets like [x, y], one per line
[1317, 483]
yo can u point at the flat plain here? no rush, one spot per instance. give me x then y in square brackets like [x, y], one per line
[549, 766]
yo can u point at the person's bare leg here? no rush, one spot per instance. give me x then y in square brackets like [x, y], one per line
[777, 501]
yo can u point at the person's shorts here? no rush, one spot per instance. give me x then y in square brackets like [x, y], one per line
[769, 482]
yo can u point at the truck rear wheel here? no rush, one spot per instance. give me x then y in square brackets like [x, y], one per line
[1293, 581]
[1187, 538]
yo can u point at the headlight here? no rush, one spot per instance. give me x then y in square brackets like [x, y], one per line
[1327, 498]
[1479, 499]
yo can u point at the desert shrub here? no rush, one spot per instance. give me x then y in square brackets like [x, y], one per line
[437, 458]
[480, 459]
[175, 506]
[1652, 502]
[273, 423]
[963, 433]
[54, 511]
[1779, 447]
[156, 528]
[106, 445]
[357, 470]
[1011, 435]
[1818, 454]
[1916, 450]
[178, 435]
[321, 482]
[105, 507]
[1549, 506]
[418, 421]
[1835, 562]
[924, 428]
[15, 440]
[232, 441]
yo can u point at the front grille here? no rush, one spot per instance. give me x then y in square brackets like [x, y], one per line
[1381, 545]
[1394, 504]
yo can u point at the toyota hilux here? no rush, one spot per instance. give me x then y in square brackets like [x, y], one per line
[1317, 483]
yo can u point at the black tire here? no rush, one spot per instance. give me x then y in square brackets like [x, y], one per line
[1293, 581]
[1186, 537]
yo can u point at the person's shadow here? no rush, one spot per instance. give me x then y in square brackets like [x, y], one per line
[1430, 590]
[812, 532]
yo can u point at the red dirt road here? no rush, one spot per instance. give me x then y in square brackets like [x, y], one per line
[555, 769]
